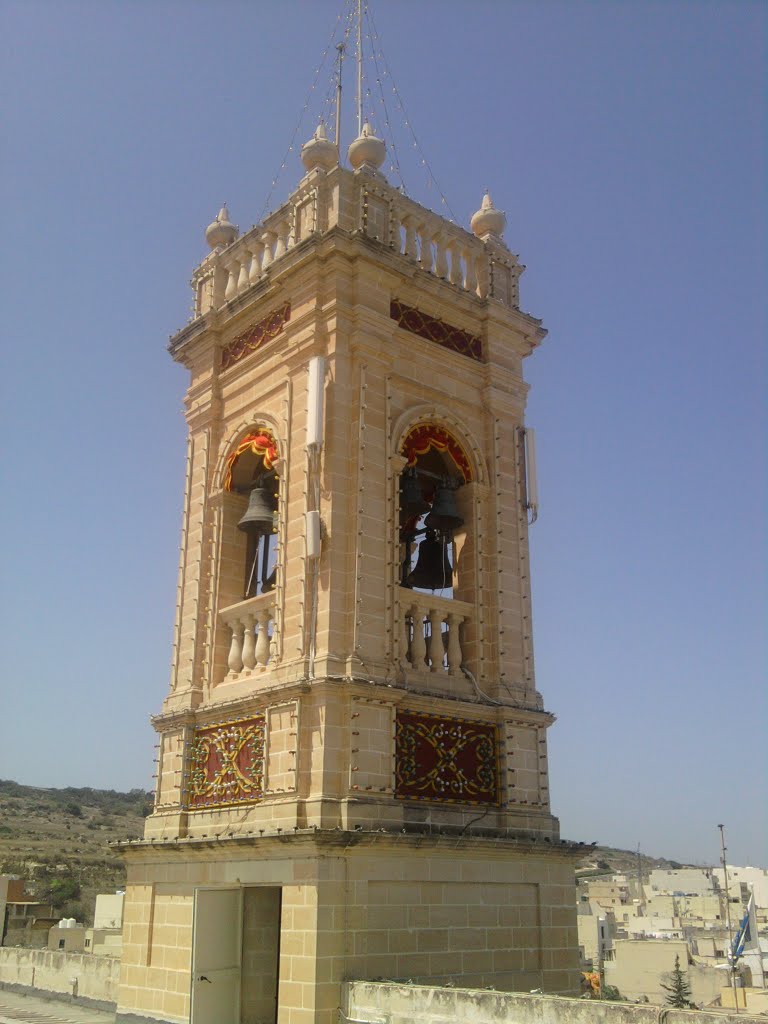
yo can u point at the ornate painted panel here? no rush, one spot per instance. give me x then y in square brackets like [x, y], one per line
[434, 329]
[226, 764]
[255, 336]
[445, 759]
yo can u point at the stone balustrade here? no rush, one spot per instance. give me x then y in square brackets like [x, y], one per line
[372, 208]
[253, 633]
[433, 634]
[441, 248]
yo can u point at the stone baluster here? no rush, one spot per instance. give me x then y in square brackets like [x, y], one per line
[425, 238]
[235, 659]
[454, 644]
[411, 249]
[470, 273]
[243, 277]
[418, 646]
[268, 238]
[220, 277]
[262, 641]
[435, 647]
[257, 251]
[283, 233]
[234, 272]
[441, 256]
[456, 275]
[249, 645]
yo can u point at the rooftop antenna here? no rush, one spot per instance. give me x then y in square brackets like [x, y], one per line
[340, 50]
[359, 67]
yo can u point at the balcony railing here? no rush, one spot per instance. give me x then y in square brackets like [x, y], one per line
[433, 632]
[252, 624]
[372, 208]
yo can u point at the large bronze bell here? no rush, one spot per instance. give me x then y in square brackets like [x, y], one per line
[412, 501]
[259, 516]
[444, 515]
[433, 569]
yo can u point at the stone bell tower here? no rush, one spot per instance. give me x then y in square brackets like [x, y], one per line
[352, 776]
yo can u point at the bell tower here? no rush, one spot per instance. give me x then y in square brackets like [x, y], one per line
[352, 777]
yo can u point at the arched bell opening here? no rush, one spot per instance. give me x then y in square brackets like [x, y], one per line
[251, 518]
[432, 529]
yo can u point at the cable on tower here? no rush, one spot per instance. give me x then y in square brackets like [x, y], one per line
[348, 10]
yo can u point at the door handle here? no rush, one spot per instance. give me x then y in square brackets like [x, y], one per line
[203, 978]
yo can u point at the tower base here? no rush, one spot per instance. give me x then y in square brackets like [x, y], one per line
[264, 930]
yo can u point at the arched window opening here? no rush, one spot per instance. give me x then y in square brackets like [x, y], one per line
[430, 521]
[251, 473]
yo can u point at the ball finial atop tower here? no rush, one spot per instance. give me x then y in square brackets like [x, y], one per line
[319, 151]
[221, 231]
[488, 220]
[367, 152]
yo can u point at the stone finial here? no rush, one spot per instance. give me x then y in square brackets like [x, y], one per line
[319, 151]
[367, 152]
[221, 231]
[488, 220]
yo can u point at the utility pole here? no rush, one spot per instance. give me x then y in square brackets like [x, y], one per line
[723, 848]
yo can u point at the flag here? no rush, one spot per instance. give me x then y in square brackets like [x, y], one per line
[746, 938]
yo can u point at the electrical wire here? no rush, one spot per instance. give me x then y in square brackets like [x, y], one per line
[348, 9]
[401, 106]
[387, 125]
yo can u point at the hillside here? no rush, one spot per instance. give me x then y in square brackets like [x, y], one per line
[57, 839]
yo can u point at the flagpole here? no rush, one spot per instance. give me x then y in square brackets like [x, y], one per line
[728, 918]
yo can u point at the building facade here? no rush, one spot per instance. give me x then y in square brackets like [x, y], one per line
[353, 777]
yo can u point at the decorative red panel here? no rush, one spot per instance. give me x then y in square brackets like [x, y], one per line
[226, 764]
[433, 329]
[445, 759]
[256, 336]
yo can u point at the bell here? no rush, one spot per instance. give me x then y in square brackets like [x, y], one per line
[444, 515]
[259, 516]
[411, 498]
[433, 569]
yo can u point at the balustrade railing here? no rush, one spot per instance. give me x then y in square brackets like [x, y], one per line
[433, 632]
[376, 209]
[252, 624]
[450, 253]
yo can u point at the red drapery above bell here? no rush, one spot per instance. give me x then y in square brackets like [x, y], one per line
[428, 435]
[261, 442]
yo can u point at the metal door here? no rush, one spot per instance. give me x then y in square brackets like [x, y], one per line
[216, 956]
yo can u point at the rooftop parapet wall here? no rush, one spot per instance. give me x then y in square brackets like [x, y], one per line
[383, 1003]
[358, 204]
[89, 978]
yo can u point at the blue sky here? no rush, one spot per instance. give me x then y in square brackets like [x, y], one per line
[625, 142]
